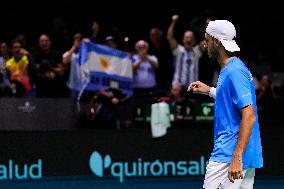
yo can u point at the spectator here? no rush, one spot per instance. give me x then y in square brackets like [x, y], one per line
[104, 109]
[186, 56]
[71, 59]
[5, 53]
[144, 67]
[4, 80]
[95, 38]
[51, 73]
[264, 93]
[18, 70]
[22, 38]
[110, 42]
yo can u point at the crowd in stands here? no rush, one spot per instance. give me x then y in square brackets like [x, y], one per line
[162, 65]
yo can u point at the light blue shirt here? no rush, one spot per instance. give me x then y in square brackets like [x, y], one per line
[235, 90]
[144, 76]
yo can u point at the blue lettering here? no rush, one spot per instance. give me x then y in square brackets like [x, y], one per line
[10, 169]
[35, 170]
[182, 168]
[168, 164]
[159, 168]
[3, 172]
[25, 172]
[127, 171]
[124, 169]
[145, 165]
[193, 168]
[15, 171]
[139, 167]
[119, 166]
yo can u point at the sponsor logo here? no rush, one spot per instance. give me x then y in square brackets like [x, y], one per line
[27, 107]
[246, 95]
[12, 170]
[100, 164]
[206, 110]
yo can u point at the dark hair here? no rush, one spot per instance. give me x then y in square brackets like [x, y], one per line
[16, 41]
[230, 54]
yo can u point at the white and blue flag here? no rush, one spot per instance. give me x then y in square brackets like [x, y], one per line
[100, 66]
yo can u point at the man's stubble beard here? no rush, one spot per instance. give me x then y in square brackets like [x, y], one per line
[213, 56]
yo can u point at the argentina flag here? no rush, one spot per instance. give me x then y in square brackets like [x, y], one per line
[100, 66]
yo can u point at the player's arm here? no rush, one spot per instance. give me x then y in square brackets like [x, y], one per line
[242, 97]
[201, 88]
[247, 122]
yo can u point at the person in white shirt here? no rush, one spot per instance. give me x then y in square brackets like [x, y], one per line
[186, 56]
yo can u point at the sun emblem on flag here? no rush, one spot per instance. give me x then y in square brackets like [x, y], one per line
[104, 63]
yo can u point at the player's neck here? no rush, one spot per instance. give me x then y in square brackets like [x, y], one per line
[223, 59]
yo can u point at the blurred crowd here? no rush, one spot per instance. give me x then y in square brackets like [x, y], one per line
[163, 65]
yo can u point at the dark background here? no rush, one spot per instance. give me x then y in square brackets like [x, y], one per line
[67, 153]
[259, 29]
[258, 24]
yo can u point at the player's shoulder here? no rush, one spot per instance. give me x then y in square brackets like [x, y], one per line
[238, 69]
[237, 64]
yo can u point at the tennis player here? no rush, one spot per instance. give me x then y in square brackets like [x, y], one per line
[237, 143]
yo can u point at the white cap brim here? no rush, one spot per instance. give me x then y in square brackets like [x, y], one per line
[230, 45]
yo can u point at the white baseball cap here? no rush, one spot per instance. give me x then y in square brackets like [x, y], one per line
[224, 31]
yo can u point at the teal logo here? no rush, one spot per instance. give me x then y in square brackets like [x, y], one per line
[140, 168]
[206, 110]
[99, 163]
[12, 170]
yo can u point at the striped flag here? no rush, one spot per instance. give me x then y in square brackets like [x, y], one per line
[100, 66]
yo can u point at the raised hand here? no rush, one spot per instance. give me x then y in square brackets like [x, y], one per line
[174, 18]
